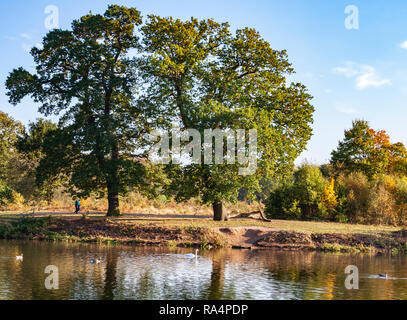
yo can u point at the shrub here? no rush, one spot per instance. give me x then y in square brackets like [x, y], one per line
[25, 228]
[309, 186]
[381, 206]
[354, 192]
[281, 204]
[353, 197]
[308, 197]
[329, 200]
[6, 195]
[399, 192]
[380, 200]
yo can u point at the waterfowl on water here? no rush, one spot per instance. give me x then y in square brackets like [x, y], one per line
[95, 261]
[191, 255]
[19, 257]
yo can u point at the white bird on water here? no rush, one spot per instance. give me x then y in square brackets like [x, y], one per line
[191, 255]
[19, 257]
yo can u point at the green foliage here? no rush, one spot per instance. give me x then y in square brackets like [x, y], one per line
[353, 191]
[308, 197]
[309, 185]
[203, 76]
[31, 142]
[364, 149]
[25, 228]
[86, 76]
[22, 167]
[281, 203]
[352, 197]
[381, 206]
[196, 73]
[6, 195]
[378, 200]
[10, 131]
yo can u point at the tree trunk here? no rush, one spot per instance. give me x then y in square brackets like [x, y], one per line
[219, 212]
[113, 201]
[113, 184]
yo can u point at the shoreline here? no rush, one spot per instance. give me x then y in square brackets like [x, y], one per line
[112, 231]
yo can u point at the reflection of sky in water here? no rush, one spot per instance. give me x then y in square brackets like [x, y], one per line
[251, 283]
[156, 277]
[160, 273]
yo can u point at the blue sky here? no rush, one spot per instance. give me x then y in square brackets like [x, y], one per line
[352, 74]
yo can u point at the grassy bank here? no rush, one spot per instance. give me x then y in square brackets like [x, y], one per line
[133, 202]
[182, 231]
[102, 230]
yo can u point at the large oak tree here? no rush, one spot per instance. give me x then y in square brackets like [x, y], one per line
[87, 77]
[205, 77]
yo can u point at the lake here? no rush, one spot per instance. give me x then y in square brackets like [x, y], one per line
[127, 272]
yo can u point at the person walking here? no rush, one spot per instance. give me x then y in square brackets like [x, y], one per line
[77, 206]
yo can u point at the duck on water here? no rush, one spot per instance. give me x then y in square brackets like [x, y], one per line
[95, 261]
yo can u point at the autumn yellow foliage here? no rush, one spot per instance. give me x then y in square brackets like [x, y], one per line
[329, 197]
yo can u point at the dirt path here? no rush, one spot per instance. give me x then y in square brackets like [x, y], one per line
[123, 216]
[245, 237]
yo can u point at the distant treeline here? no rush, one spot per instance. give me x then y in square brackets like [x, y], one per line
[365, 182]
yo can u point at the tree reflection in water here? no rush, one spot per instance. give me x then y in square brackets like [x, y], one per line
[110, 278]
[160, 273]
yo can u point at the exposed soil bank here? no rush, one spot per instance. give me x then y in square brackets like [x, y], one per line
[257, 237]
[108, 231]
[105, 230]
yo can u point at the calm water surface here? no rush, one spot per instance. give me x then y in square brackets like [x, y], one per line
[156, 273]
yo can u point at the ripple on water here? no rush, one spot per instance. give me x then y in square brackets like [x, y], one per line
[158, 273]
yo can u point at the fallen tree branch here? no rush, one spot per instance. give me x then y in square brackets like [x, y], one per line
[244, 214]
[263, 216]
[249, 214]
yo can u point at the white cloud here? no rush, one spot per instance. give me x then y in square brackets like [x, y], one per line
[370, 79]
[349, 110]
[349, 70]
[403, 45]
[365, 76]
[25, 36]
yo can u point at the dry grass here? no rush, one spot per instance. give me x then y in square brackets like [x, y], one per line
[132, 203]
[277, 225]
[139, 210]
[181, 220]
